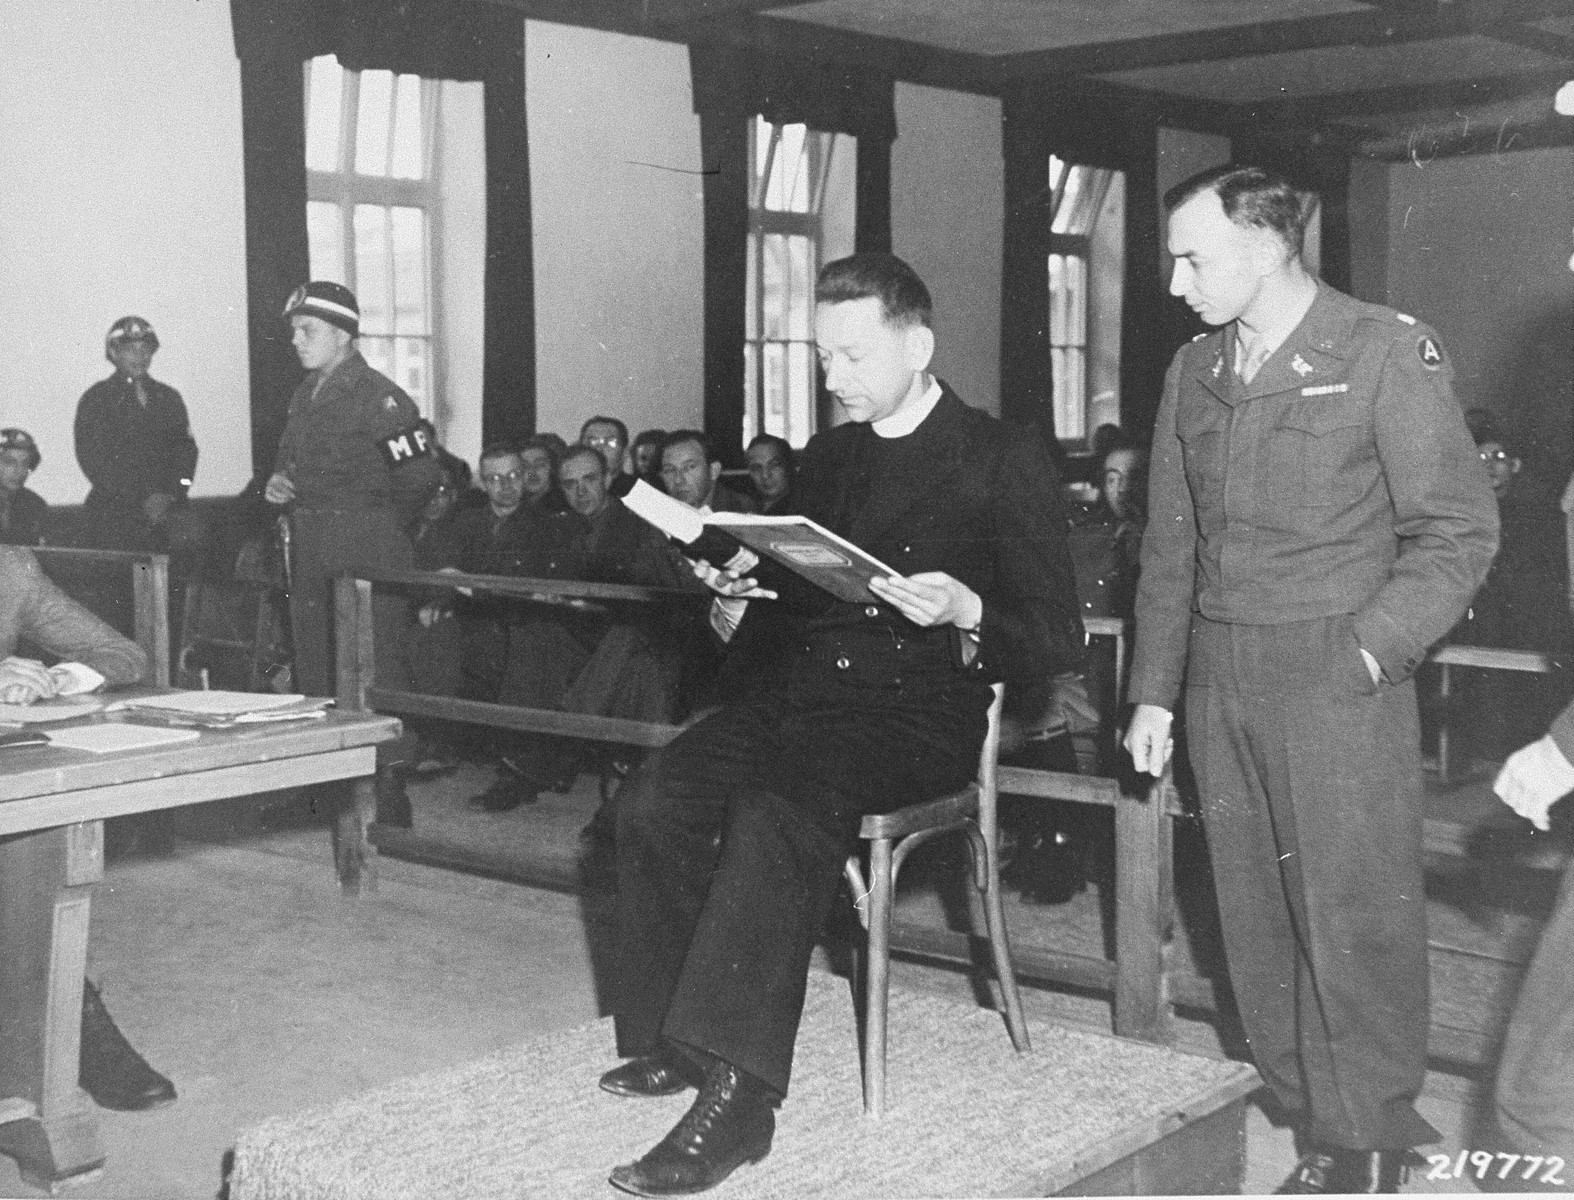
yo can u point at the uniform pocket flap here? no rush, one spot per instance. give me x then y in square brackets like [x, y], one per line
[1319, 418]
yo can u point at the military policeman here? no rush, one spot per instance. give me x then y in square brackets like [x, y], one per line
[356, 469]
[134, 443]
[22, 510]
[1317, 518]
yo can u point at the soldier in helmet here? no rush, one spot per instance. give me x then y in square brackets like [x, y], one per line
[22, 510]
[356, 469]
[134, 444]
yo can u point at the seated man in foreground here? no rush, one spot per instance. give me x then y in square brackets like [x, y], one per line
[731, 840]
[35, 611]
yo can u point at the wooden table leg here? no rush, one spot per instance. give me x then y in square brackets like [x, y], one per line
[46, 888]
[354, 804]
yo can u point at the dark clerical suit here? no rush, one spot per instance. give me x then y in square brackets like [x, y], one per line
[872, 713]
[1335, 503]
[361, 477]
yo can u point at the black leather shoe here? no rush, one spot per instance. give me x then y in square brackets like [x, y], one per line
[111, 1071]
[731, 1122]
[504, 795]
[1325, 1169]
[657, 1074]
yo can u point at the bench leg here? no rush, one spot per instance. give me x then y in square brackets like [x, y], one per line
[46, 887]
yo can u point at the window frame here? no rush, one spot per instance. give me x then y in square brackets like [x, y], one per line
[819, 151]
[345, 189]
[1079, 246]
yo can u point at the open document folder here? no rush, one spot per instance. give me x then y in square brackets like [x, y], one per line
[797, 543]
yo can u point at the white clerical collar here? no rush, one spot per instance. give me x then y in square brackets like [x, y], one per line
[900, 424]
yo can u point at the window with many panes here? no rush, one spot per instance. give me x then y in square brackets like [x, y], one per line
[1086, 269]
[787, 196]
[371, 200]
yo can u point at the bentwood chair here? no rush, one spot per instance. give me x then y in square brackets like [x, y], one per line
[892, 837]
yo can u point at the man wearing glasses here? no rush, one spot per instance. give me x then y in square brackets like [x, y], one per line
[514, 654]
[608, 437]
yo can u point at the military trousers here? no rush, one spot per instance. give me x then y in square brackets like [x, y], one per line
[1309, 775]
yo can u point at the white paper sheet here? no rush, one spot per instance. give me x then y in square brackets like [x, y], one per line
[47, 710]
[106, 737]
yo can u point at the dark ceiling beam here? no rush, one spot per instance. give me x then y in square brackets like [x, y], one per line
[1406, 97]
[1528, 37]
[908, 62]
[1458, 138]
[610, 16]
[673, 12]
[1390, 24]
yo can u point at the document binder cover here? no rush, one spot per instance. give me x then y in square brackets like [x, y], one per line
[809, 549]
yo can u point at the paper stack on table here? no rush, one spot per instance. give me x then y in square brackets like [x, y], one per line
[221, 710]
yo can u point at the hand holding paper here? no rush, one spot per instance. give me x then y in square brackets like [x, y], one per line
[25, 680]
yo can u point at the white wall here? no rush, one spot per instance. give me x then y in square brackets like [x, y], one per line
[947, 210]
[619, 238]
[461, 266]
[121, 192]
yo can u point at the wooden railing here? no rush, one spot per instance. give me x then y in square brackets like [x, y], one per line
[149, 589]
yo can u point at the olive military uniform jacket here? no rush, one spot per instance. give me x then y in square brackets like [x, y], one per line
[351, 444]
[1341, 479]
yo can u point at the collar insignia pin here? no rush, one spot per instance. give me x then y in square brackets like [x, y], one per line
[1218, 366]
[1300, 366]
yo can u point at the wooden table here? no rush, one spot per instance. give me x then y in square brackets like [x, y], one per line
[52, 808]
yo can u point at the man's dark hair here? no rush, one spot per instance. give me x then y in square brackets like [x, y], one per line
[1252, 198]
[904, 300]
[782, 446]
[551, 443]
[497, 450]
[582, 452]
[623, 430]
[678, 436]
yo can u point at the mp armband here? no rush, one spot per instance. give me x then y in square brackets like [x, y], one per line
[405, 446]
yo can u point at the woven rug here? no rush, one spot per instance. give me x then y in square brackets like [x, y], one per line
[966, 1116]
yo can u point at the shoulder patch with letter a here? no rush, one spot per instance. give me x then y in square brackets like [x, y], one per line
[405, 446]
[1430, 353]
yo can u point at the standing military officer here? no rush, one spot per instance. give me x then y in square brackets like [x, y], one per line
[356, 469]
[134, 444]
[1317, 518]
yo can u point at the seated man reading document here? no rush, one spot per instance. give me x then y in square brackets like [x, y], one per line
[730, 841]
[37, 614]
